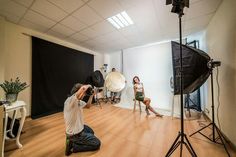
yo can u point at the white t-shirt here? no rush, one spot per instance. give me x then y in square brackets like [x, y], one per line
[73, 115]
[139, 87]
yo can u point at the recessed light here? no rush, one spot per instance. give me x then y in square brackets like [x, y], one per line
[120, 20]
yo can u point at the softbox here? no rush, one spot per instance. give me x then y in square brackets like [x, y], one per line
[95, 79]
[195, 69]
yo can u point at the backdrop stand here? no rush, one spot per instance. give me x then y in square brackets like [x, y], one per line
[213, 124]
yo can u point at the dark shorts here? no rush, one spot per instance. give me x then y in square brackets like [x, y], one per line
[139, 96]
[85, 140]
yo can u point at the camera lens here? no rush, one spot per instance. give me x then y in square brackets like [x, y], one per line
[89, 91]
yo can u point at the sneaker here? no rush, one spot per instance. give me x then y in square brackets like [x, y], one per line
[69, 148]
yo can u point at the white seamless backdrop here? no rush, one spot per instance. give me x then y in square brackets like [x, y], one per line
[153, 65]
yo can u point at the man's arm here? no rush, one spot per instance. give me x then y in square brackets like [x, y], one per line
[77, 97]
[89, 103]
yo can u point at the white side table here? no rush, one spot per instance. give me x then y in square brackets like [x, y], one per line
[14, 107]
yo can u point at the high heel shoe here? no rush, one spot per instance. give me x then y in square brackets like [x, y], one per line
[159, 115]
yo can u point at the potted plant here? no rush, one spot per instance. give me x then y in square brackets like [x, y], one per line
[12, 88]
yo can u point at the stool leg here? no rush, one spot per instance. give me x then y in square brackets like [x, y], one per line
[134, 105]
[140, 110]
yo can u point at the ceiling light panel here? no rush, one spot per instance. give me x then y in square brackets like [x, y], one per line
[120, 20]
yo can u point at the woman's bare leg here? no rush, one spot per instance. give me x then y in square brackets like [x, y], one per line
[146, 109]
[147, 102]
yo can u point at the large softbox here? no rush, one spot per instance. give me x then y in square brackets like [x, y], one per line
[195, 69]
[95, 79]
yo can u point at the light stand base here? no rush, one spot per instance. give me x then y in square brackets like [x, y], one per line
[180, 141]
[214, 140]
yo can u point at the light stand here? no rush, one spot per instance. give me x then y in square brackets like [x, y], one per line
[212, 65]
[181, 139]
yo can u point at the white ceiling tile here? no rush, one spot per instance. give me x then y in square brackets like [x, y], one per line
[106, 8]
[87, 15]
[153, 20]
[109, 37]
[26, 3]
[48, 9]
[79, 37]
[73, 23]
[148, 26]
[90, 33]
[62, 30]
[12, 8]
[38, 19]
[165, 17]
[90, 44]
[10, 17]
[56, 34]
[103, 27]
[131, 30]
[193, 30]
[193, 1]
[170, 35]
[197, 22]
[33, 26]
[68, 5]
[202, 7]
[130, 3]
[71, 40]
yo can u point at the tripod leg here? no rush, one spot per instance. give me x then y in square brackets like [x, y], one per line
[171, 148]
[200, 130]
[181, 149]
[174, 148]
[191, 148]
[222, 140]
[190, 151]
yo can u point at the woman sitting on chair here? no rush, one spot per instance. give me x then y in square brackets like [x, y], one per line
[140, 96]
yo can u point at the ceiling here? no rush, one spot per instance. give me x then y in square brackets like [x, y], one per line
[83, 22]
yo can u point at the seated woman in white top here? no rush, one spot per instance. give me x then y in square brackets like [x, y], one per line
[140, 96]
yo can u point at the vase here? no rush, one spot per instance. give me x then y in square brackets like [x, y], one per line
[11, 97]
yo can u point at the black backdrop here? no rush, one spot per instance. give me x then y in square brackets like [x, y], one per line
[55, 69]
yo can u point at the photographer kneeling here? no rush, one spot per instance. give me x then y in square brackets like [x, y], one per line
[79, 137]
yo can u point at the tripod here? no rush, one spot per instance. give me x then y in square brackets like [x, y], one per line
[213, 124]
[181, 139]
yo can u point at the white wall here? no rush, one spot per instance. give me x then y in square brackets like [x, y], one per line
[2, 53]
[17, 55]
[221, 45]
[154, 67]
[113, 60]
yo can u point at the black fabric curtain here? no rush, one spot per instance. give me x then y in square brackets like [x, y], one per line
[55, 69]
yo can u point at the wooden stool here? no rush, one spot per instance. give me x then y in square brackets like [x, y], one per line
[139, 104]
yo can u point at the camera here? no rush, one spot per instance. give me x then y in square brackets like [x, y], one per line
[90, 91]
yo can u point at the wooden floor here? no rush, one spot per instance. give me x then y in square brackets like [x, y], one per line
[122, 133]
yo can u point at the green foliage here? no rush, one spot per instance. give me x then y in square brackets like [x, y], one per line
[13, 87]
